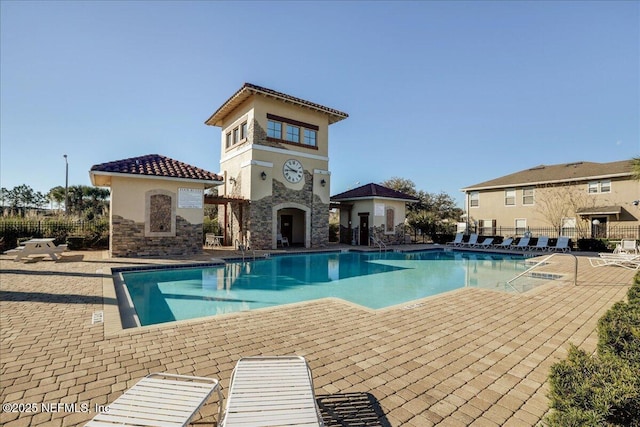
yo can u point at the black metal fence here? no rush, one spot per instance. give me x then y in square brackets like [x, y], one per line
[13, 229]
[600, 231]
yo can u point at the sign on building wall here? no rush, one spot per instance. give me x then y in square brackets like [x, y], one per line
[378, 209]
[190, 198]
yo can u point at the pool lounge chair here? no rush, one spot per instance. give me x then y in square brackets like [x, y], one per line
[629, 261]
[522, 244]
[473, 239]
[506, 244]
[628, 246]
[562, 245]
[486, 243]
[271, 391]
[541, 245]
[283, 240]
[160, 399]
[457, 240]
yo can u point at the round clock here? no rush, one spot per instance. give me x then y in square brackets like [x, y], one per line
[293, 171]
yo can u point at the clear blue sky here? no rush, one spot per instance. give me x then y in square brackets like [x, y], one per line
[447, 94]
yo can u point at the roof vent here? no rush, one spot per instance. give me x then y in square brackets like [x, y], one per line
[537, 168]
[573, 164]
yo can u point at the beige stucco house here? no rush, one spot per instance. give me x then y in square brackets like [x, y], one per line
[156, 205]
[372, 211]
[274, 158]
[581, 199]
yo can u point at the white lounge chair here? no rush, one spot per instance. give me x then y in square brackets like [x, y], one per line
[628, 246]
[486, 243]
[541, 245]
[561, 245]
[271, 391]
[159, 400]
[629, 261]
[283, 240]
[506, 244]
[473, 239]
[522, 244]
[457, 240]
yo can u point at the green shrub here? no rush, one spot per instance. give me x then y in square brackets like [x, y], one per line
[602, 390]
[619, 333]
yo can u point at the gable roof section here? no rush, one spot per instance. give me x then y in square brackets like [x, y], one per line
[249, 89]
[152, 166]
[566, 172]
[371, 191]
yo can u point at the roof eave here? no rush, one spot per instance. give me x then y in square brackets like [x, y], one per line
[93, 174]
[534, 183]
[245, 91]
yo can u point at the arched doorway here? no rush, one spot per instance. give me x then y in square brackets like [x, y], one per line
[293, 221]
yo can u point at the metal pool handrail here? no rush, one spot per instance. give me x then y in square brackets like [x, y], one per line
[575, 274]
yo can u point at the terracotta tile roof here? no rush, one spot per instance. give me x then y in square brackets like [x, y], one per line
[566, 172]
[156, 165]
[369, 191]
[249, 89]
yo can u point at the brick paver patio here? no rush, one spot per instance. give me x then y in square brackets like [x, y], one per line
[470, 357]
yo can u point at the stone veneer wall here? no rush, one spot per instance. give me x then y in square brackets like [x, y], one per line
[128, 239]
[260, 214]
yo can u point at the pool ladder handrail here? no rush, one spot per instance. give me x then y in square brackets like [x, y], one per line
[575, 275]
[378, 243]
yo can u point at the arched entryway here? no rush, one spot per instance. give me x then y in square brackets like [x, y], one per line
[293, 221]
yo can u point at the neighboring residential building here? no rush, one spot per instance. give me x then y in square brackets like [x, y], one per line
[275, 163]
[372, 210]
[156, 205]
[582, 199]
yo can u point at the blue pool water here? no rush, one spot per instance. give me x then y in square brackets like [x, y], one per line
[373, 280]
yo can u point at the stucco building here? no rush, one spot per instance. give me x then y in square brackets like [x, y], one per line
[372, 210]
[274, 161]
[156, 205]
[581, 199]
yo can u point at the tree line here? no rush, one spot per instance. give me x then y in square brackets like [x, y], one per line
[84, 201]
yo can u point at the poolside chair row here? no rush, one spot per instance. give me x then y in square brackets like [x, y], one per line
[523, 244]
[263, 391]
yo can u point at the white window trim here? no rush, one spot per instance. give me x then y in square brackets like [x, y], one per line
[515, 197]
[533, 196]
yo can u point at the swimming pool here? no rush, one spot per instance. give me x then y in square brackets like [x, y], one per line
[372, 280]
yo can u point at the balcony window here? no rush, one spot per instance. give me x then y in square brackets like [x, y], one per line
[274, 129]
[310, 137]
[293, 134]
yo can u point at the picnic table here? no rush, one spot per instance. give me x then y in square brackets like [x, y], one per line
[38, 247]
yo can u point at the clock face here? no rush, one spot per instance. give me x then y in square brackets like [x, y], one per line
[293, 171]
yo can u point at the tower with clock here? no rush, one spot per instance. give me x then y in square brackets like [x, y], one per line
[275, 164]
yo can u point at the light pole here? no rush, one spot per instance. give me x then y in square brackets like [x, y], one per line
[66, 186]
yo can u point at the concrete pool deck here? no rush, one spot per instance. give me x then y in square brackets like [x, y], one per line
[469, 357]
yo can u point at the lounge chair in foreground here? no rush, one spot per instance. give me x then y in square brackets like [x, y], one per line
[473, 239]
[522, 244]
[506, 244]
[562, 245]
[629, 261]
[541, 245]
[486, 243]
[457, 240]
[159, 399]
[271, 391]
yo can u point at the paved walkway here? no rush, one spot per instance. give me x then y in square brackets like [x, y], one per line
[470, 357]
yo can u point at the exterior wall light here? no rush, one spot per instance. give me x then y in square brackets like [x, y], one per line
[263, 175]
[323, 182]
